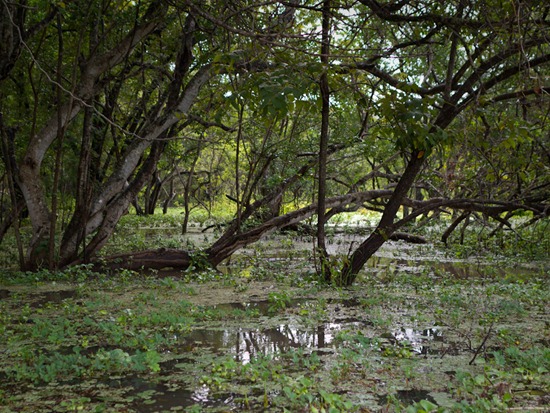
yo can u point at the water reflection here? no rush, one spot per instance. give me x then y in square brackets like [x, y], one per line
[169, 399]
[394, 257]
[418, 340]
[248, 343]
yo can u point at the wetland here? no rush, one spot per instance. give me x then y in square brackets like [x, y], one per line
[421, 331]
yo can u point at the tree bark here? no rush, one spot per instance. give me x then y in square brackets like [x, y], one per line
[13, 32]
[160, 259]
[187, 189]
[7, 138]
[325, 272]
[385, 229]
[454, 224]
[116, 195]
[30, 169]
[221, 250]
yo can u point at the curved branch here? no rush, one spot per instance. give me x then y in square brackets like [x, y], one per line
[489, 207]
[30, 168]
[468, 86]
[388, 13]
[522, 94]
[180, 259]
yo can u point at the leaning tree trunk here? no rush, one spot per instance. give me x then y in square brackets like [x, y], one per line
[169, 198]
[385, 227]
[454, 225]
[152, 193]
[30, 169]
[116, 195]
[114, 198]
[225, 246]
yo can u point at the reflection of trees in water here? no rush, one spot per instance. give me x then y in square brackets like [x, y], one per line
[469, 269]
[248, 343]
[418, 338]
[460, 271]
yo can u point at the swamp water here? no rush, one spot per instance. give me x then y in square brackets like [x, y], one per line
[413, 330]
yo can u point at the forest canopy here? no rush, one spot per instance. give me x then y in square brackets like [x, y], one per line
[282, 110]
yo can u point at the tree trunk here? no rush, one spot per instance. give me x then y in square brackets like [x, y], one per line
[152, 193]
[453, 226]
[385, 227]
[160, 259]
[12, 17]
[187, 189]
[30, 180]
[224, 247]
[169, 198]
[325, 272]
[7, 139]
[117, 193]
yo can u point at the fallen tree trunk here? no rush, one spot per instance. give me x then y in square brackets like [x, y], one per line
[224, 247]
[159, 259]
[413, 239]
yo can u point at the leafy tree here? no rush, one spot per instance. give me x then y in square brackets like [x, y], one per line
[479, 47]
[413, 105]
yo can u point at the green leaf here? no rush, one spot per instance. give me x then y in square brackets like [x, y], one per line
[427, 405]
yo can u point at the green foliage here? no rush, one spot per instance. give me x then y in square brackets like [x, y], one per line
[423, 406]
[532, 360]
[278, 301]
[401, 351]
[75, 274]
[522, 244]
[287, 352]
[412, 120]
[458, 81]
[254, 125]
[57, 367]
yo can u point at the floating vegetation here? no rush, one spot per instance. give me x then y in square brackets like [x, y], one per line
[411, 336]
